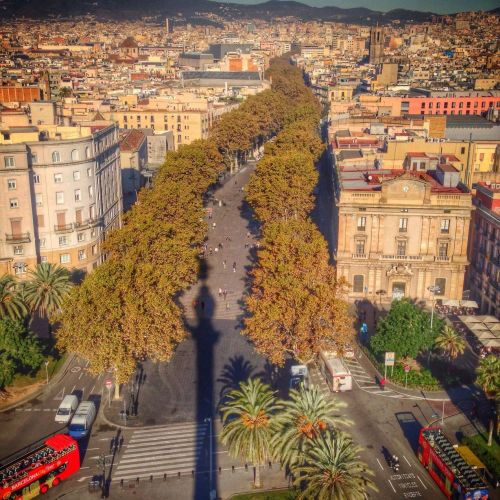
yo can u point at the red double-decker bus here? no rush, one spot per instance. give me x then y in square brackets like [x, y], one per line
[35, 472]
[456, 478]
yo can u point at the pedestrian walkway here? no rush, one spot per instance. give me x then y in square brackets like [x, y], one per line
[162, 450]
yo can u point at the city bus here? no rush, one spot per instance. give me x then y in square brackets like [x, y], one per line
[35, 472]
[456, 478]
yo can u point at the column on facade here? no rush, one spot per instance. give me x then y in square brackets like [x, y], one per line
[373, 234]
[371, 280]
[378, 279]
[380, 236]
[421, 283]
[424, 240]
[342, 226]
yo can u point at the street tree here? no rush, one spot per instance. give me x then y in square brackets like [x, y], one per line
[48, 286]
[281, 187]
[11, 303]
[305, 415]
[450, 342]
[296, 306]
[332, 470]
[405, 330]
[247, 417]
[488, 377]
[20, 350]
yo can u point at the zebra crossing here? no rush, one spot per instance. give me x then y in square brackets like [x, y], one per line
[163, 450]
[367, 382]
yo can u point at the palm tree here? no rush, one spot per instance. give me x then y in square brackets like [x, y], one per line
[47, 289]
[332, 470]
[450, 342]
[11, 303]
[488, 377]
[302, 420]
[247, 423]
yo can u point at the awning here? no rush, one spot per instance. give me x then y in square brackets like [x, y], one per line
[460, 303]
[495, 343]
[469, 319]
[469, 457]
[487, 318]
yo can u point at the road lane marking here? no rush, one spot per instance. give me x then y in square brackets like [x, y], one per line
[422, 482]
[92, 390]
[380, 464]
[87, 364]
[391, 486]
[46, 409]
[37, 409]
[407, 461]
[80, 376]
[73, 389]
[91, 449]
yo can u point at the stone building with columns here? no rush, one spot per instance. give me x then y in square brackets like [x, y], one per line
[401, 232]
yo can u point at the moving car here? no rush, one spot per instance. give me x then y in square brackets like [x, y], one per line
[299, 376]
[66, 409]
[82, 420]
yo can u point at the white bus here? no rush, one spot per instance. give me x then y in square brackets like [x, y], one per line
[336, 373]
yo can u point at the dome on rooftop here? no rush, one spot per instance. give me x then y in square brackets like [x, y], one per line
[129, 43]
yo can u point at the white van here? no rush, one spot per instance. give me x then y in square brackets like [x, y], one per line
[66, 409]
[82, 420]
[336, 373]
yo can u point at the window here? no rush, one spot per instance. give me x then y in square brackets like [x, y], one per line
[58, 178]
[483, 104]
[89, 172]
[78, 195]
[64, 258]
[360, 247]
[445, 226]
[18, 250]
[438, 105]
[357, 283]
[36, 179]
[453, 104]
[441, 285]
[422, 165]
[34, 158]
[460, 105]
[403, 225]
[80, 237]
[39, 199]
[430, 105]
[42, 242]
[445, 105]
[401, 247]
[462, 150]
[414, 165]
[87, 152]
[91, 191]
[56, 157]
[43, 258]
[40, 220]
[14, 203]
[81, 255]
[63, 241]
[8, 161]
[75, 155]
[11, 184]
[443, 249]
[76, 175]
[361, 223]
[20, 268]
[59, 198]
[179, 138]
[94, 249]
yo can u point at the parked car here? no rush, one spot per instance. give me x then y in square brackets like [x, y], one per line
[66, 409]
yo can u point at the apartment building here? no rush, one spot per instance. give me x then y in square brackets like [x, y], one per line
[60, 194]
[483, 276]
[401, 232]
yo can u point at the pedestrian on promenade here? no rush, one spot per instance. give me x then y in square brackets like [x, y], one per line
[225, 294]
[210, 250]
[202, 305]
[234, 267]
[224, 264]
[220, 246]
[227, 306]
[220, 292]
[382, 383]
[216, 249]
[248, 234]
[213, 225]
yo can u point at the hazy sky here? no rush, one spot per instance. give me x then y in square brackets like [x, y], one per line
[438, 6]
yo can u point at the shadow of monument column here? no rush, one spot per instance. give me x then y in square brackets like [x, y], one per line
[205, 337]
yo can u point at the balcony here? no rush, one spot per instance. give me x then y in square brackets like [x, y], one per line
[87, 223]
[402, 230]
[18, 238]
[359, 256]
[63, 228]
[443, 258]
[401, 257]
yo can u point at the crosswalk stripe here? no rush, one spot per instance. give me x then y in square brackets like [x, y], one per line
[193, 435]
[173, 456]
[165, 443]
[170, 427]
[182, 432]
[156, 465]
[141, 452]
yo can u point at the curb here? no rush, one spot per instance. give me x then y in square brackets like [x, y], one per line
[59, 375]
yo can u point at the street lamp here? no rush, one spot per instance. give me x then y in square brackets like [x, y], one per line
[47, 370]
[213, 493]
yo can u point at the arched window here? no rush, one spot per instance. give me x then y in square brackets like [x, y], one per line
[56, 157]
[87, 152]
[74, 155]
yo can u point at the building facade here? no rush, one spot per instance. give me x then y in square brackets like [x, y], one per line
[60, 194]
[400, 233]
[483, 277]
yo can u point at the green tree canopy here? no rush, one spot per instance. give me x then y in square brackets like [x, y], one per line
[11, 303]
[281, 186]
[405, 330]
[296, 306]
[450, 342]
[488, 377]
[19, 350]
